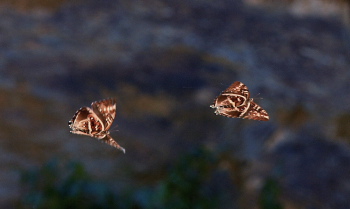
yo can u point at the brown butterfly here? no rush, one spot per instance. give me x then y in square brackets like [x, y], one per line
[234, 102]
[96, 121]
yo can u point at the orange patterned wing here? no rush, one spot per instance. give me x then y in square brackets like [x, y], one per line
[106, 111]
[96, 121]
[235, 102]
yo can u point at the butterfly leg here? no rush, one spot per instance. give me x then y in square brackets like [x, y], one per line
[218, 110]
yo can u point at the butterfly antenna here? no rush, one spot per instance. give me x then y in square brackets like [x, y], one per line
[115, 128]
[258, 97]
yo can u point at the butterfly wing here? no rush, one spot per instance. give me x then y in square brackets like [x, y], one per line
[235, 95]
[96, 121]
[255, 112]
[229, 111]
[85, 122]
[251, 111]
[235, 102]
[238, 88]
[106, 111]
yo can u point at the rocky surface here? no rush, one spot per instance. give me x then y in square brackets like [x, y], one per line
[165, 62]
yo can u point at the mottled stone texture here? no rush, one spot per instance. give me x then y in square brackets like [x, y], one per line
[165, 62]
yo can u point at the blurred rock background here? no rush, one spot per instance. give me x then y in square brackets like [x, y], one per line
[165, 62]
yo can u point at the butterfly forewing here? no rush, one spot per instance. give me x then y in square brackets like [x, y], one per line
[235, 95]
[238, 88]
[106, 111]
[234, 102]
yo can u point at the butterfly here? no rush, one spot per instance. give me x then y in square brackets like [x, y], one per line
[234, 102]
[96, 121]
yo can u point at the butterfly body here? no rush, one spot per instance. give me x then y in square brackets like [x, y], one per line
[96, 121]
[235, 102]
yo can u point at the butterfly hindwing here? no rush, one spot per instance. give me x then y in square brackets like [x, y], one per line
[255, 112]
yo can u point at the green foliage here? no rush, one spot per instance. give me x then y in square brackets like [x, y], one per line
[59, 186]
[187, 185]
[269, 196]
